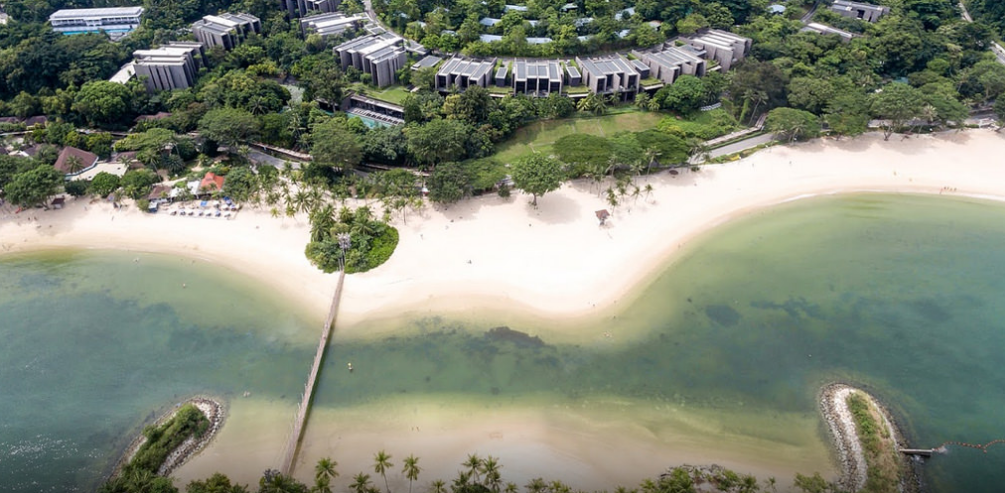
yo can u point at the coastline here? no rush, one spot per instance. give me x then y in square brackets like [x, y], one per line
[214, 411]
[847, 443]
[553, 262]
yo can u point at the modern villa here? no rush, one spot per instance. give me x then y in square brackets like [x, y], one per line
[672, 62]
[226, 30]
[722, 46]
[333, 24]
[539, 77]
[116, 21]
[609, 75]
[169, 67]
[380, 56]
[856, 10]
[462, 73]
[300, 8]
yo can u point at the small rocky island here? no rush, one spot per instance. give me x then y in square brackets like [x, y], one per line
[868, 442]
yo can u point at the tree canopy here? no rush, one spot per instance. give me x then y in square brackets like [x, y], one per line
[537, 175]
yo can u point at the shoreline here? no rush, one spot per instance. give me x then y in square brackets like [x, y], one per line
[553, 262]
[214, 411]
[847, 444]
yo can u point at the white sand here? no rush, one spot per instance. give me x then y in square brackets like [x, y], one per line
[554, 261]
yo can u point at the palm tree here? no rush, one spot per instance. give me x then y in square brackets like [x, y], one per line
[463, 479]
[511, 488]
[559, 487]
[648, 189]
[438, 486]
[474, 465]
[411, 470]
[326, 468]
[490, 467]
[74, 165]
[361, 483]
[322, 484]
[381, 463]
[536, 485]
[642, 101]
[654, 104]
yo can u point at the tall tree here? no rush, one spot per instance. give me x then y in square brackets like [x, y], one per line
[381, 463]
[897, 103]
[438, 141]
[229, 126]
[335, 146]
[34, 187]
[411, 470]
[537, 174]
[792, 124]
[103, 103]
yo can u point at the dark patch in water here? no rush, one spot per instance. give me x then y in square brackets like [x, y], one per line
[722, 315]
[931, 310]
[516, 337]
[795, 308]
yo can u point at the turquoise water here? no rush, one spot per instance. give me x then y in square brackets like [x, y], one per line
[94, 344]
[369, 122]
[899, 294]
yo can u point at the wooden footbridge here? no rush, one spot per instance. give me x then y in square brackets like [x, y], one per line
[297, 431]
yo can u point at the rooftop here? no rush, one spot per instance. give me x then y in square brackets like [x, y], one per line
[67, 14]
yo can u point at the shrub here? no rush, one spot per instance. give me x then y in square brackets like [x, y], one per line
[77, 188]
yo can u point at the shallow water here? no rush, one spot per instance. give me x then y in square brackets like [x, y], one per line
[899, 294]
[94, 344]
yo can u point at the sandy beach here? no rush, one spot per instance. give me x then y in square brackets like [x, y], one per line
[554, 261]
[551, 262]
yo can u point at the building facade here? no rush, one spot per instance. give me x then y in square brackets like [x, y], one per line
[672, 62]
[333, 24]
[610, 74]
[119, 20]
[856, 10]
[722, 46]
[460, 73]
[174, 66]
[537, 77]
[380, 56]
[301, 8]
[226, 30]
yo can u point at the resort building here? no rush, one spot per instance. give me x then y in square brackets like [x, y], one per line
[607, 75]
[73, 161]
[575, 78]
[380, 56]
[226, 30]
[461, 73]
[825, 29]
[428, 61]
[500, 78]
[722, 46]
[536, 77]
[169, 67]
[117, 22]
[299, 8]
[373, 112]
[856, 10]
[333, 24]
[670, 63]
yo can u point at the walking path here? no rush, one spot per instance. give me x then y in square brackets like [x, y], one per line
[293, 446]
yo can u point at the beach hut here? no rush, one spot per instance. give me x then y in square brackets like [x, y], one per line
[602, 216]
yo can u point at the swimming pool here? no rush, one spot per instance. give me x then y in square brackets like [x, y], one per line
[369, 122]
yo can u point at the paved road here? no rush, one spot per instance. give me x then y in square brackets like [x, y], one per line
[742, 145]
[809, 15]
[259, 157]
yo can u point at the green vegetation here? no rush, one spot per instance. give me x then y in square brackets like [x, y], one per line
[367, 243]
[881, 456]
[705, 125]
[392, 94]
[140, 473]
[537, 174]
[539, 137]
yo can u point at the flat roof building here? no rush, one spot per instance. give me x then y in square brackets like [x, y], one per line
[380, 56]
[825, 29]
[500, 78]
[856, 10]
[575, 78]
[226, 30]
[427, 61]
[300, 8]
[174, 66]
[333, 24]
[606, 75]
[115, 21]
[537, 77]
[672, 62]
[461, 73]
[722, 46]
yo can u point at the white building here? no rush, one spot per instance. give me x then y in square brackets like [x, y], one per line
[174, 66]
[722, 46]
[115, 21]
[226, 30]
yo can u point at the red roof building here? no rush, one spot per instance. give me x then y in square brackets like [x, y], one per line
[211, 183]
[86, 161]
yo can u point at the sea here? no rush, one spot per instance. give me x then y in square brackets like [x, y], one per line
[901, 295]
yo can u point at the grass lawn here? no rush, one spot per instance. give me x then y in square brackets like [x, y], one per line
[392, 94]
[539, 136]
